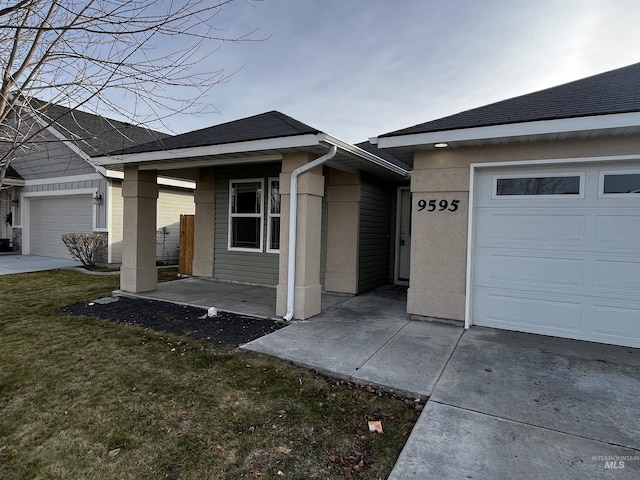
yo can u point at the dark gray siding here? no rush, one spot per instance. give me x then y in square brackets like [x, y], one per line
[375, 238]
[253, 267]
[323, 241]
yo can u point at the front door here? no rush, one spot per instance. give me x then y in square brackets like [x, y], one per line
[403, 236]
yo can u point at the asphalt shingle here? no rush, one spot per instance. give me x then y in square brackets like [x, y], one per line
[616, 91]
[258, 127]
[94, 134]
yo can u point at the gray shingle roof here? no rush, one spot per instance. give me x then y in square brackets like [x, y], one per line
[616, 91]
[258, 127]
[94, 134]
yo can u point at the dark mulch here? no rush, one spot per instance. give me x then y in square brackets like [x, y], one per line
[224, 329]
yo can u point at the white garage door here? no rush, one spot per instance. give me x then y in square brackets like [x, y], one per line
[51, 217]
[557, 252]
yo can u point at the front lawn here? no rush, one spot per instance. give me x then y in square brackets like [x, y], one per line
[87, 398]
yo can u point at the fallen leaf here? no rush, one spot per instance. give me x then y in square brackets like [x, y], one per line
[347, 472]
[219, 448]
[114, 452]
[375, 426]
[284, 449]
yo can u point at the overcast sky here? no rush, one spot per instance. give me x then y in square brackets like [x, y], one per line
[359, 68]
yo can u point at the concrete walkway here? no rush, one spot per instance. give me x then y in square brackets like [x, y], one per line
[369, 339]
[10, 264]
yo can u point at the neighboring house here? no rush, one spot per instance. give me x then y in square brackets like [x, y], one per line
[63, 191]
[9, 201]
[348, 209]
[528, 217]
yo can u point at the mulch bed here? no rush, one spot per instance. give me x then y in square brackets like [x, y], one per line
[224, 329]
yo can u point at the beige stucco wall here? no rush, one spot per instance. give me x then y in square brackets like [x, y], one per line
[140, 194]
[204, 231]
[307, 277]
[439, 239]
[343, 218]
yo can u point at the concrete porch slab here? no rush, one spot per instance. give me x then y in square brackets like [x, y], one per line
[252, 300]
[451, 443]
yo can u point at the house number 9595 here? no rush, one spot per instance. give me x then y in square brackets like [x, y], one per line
[439, 205]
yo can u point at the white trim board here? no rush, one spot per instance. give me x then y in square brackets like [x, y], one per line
[539, 127]
[71, 178]
[209, 150]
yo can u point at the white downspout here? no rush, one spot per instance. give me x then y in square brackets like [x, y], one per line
[293, 218]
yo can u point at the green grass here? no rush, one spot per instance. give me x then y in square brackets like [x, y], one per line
[72, 390]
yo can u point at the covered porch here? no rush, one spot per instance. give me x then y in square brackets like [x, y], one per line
[277, 204]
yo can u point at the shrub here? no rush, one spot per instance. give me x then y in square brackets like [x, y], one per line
[84, 246]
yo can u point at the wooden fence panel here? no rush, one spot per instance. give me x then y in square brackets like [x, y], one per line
[186, 244]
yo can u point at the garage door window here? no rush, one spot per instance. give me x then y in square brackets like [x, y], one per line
[505, 186]
[621, 183]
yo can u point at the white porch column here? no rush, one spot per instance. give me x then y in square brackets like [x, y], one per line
[310, 192]
[203, 242]
[140, 195]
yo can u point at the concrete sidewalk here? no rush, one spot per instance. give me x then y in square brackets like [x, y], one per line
[10, 264]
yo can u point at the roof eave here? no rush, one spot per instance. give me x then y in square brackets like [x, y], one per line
[541, 127]
[279, 143]
[13, 182]
[364, 155]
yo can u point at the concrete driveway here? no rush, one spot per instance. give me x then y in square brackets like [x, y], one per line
[32, 263]
[514, 405]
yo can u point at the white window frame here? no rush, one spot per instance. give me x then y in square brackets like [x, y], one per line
[494, 185]
[603, 173]
[259, 215]
[272, 215]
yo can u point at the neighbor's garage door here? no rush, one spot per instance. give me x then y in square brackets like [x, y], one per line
[51, 217]
[557, 252]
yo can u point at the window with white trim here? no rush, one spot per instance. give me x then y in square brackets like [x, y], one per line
[273, 217]
[246, 218]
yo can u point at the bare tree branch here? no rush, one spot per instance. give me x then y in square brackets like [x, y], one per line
[91, 54]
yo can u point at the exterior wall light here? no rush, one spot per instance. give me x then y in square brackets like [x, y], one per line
[97, 198]
[441, 145]
[15, 202]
